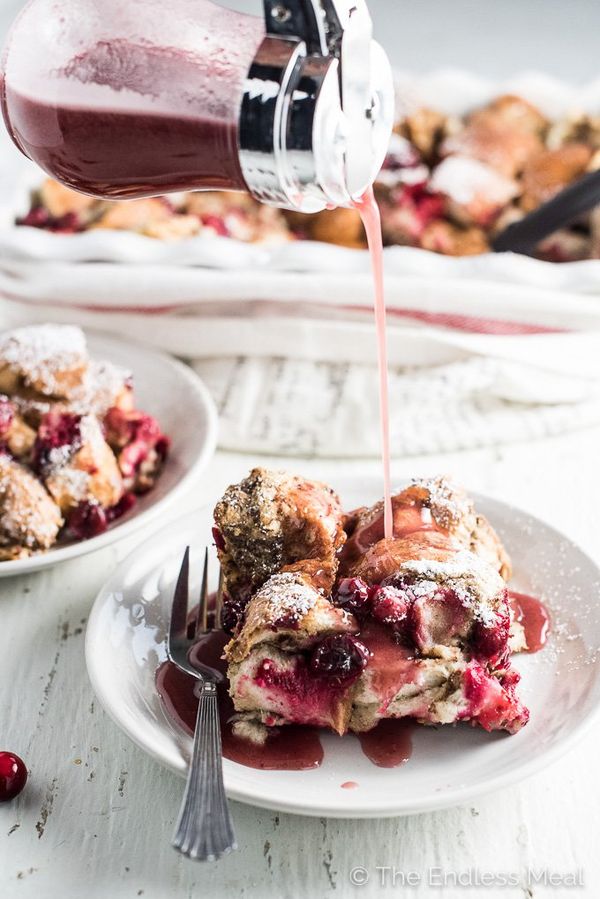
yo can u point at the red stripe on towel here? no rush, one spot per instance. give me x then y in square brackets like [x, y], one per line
[454, 321]
[469, 323]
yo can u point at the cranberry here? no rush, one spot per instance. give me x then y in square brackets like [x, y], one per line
[125, 504]
[219, 539]
[13, 776]
[135, 434]
[162, 447]
[509, 677]
[490, 640]
[216, 224]
[340, 657]
[352, 594]
[232, 615]
[391, 605]
[269, 675]
[417, 199]
[132, 456]
[124, 427]
[7, 414]
[147, 429]
[57, 431]
[87, 520]
[118, 426]
[475, 685]
[66, 224]
[38, 217]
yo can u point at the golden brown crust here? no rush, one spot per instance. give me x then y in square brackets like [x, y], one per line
[428, 605]
[342, 227]
[453, 240]
[453, 515]
[513, 112]
[288, 609]
[425, 128]
[384, 558]
[135, 215]
[20, 438]
[49, 361]
[578, 129]
[550, 171]
[60, 200]
[272, 519]
[90, 475]
[507, 149]
[29, 519]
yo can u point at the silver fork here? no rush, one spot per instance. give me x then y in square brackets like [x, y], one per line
[204, 831]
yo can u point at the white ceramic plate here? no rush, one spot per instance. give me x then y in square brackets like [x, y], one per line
[451, 765]
[179, 400]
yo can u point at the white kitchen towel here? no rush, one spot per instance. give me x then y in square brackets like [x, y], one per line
[295, 407]
[302, 384]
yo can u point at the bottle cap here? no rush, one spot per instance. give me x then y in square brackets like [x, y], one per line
[318, 106]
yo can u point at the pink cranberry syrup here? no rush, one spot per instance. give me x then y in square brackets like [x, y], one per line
[408, 518]
[390, 743]
[290, 748]
[166, 153]
[534, 617]
[13, 776]
[371, 219]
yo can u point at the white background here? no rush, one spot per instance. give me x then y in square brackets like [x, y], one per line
[492, 37]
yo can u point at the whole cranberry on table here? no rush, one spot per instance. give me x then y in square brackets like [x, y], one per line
[13, 776]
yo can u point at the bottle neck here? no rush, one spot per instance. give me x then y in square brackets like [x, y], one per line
[298, 144]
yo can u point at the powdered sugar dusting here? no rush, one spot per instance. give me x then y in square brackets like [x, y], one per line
[40, 352]
[448, 504]
[91, 433]
[101, 387]
[288, 596]
[57, 457]
[477, 586]
[464, 180]
[75, 483]
[28, 516]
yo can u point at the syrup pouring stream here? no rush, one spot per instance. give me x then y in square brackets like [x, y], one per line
[371, 219]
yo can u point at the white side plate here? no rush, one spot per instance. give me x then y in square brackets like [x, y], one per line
[172, 393]
[449, 765]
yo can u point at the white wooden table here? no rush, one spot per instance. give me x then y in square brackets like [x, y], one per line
[96, 817]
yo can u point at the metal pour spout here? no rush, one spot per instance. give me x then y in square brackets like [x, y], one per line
[318, 108]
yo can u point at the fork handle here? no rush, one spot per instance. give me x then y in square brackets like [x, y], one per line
[204, 831]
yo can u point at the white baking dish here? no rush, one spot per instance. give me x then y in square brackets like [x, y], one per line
[451, 91]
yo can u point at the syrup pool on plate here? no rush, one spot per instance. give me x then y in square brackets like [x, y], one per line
[298, 747]
[290, 748]
[294, 748]
[533, 616]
